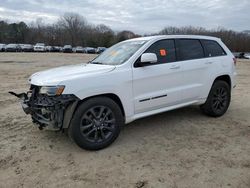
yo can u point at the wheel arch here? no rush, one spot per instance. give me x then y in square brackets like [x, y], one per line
[112, 96]
[69, 112]
[225, 78]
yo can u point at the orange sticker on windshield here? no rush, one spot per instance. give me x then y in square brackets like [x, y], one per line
[163, 52]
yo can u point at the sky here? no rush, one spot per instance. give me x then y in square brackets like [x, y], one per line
[139, 16]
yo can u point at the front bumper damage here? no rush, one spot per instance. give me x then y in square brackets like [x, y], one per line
[48, 111]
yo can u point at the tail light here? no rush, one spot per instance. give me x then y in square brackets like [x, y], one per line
[235, 61]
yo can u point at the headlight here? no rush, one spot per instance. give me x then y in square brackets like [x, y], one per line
[52, 90]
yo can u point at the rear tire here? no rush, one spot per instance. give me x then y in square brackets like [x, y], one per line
[218, 99]
[96, 123]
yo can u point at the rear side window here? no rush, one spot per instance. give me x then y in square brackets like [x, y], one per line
[189, 49]
[164, 49]
[212, 48]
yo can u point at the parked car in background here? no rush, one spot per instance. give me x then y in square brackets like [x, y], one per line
[48, 48]
[27, 48]
[241, 55]
[55, 49]
[79, 49]
[12, 48]
[100, 50]
[61, 48]
[247, 55]
[89, 50]
[2, 47]
[67, 49]
[39, 47]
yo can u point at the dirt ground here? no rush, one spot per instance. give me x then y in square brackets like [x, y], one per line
[181, 148]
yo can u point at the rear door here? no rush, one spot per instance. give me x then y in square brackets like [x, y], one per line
[195, 68]
[158, 85]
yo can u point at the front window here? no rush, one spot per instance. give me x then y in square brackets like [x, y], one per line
[119, 53]
[164, 49]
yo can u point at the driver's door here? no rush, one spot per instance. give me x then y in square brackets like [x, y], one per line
[158, 85]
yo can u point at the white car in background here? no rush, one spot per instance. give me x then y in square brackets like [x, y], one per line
[247, 55]
[79, 49]
[39, 47]
[2, 47]
[131, 80]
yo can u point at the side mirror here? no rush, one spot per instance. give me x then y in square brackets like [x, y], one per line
[148, 58]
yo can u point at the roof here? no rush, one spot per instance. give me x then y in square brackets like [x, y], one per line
[157, 37]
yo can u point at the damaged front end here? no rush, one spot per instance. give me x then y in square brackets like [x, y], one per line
[48, 111]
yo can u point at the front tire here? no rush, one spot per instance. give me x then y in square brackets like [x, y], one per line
[96, 123]
[218, 99]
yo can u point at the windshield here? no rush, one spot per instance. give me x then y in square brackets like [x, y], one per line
[119, 53]
[40, 44]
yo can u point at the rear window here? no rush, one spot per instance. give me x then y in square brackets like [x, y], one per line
[212, 48]
[164, 49]
[190, 49]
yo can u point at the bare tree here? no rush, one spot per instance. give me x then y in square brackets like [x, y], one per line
[236, 41]
[74, 26]
[124, 35]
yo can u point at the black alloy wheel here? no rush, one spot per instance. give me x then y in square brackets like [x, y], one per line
[218, 99]
[96, 123]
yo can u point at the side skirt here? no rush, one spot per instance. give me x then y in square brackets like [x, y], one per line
[161, 110]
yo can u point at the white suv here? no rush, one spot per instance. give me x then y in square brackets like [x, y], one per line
[131, 80]
[39, 47]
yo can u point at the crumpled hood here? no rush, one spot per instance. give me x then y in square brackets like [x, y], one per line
[57, 75]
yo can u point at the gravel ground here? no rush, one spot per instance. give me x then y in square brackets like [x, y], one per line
[181, 148]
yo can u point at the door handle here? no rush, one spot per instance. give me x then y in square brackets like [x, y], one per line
[175, 67]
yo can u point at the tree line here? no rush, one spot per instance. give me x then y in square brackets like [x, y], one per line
[72, 28]
[236, 41]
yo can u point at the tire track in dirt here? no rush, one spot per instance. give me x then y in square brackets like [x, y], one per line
[10, 128]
